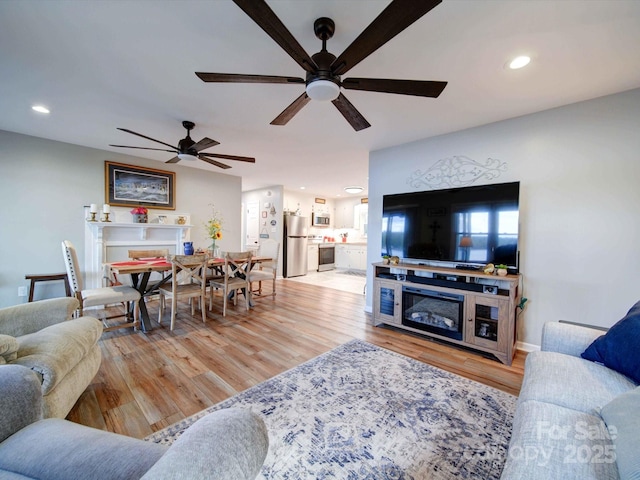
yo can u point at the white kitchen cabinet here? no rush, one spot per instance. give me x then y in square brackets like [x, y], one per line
[342, 256]
[351, 257]
[312, 264]
[344, 216]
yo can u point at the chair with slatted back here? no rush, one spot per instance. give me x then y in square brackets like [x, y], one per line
[102, 296]
[236, 278]
[266, 271]
[160, 254]
[187, 281]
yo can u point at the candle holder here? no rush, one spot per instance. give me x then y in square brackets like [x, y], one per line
[92, 218]
[105, 218]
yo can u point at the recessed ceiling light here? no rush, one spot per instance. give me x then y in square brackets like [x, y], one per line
[302, 188]
[353, 189]
[519, 62]
[40, 109]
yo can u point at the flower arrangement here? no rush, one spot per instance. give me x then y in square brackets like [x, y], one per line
[139, 211]
[214, 227]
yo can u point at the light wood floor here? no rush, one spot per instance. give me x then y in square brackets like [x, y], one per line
[149, 381]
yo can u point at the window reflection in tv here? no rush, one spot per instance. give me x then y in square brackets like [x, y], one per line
[469, 225]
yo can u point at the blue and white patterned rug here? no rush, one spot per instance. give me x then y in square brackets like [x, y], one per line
[362, 412]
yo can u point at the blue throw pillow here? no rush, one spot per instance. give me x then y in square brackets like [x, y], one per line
[619, 348]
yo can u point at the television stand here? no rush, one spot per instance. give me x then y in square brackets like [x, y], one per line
[467, 267]
[472, 309]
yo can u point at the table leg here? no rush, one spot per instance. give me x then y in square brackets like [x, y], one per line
[140, 284]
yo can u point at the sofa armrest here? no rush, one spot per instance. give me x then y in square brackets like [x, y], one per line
[567, 338]
[8, 348]
[20, 399]
[30, 317]
[229, 444]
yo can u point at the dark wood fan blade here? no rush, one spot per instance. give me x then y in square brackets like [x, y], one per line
[398, 15]
[144, 148]
[213, 162]
[229, 157]
[240, 78]
[148, 138]
[350, 113]
[175, 159]
[262, 14]
[204, 144]
[288, 113]
[420, 88]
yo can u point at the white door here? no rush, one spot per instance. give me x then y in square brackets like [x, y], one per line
[253, 225]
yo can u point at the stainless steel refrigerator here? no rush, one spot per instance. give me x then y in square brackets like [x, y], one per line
[295, 246]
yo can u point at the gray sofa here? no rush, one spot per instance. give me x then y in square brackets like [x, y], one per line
[63, 351]
[228, 444]
[558, 430]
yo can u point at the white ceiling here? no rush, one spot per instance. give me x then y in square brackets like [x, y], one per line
[99, 65]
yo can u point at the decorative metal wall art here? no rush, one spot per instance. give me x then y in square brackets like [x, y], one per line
[456, 171]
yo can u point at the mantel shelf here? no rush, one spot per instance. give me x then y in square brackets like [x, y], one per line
[135, 225]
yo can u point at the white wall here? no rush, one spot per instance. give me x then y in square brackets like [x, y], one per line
[274, 197]
[579, 171]
[44, 185]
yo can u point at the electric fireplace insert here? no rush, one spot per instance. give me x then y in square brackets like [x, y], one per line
[433, 311]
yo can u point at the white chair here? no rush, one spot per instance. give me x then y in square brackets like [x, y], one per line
[266, 271]
[102, 296]
[187, 281]
[236, 278]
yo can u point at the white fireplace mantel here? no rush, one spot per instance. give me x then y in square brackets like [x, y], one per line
[109, 241]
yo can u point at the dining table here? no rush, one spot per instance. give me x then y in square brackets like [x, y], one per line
[140, 272]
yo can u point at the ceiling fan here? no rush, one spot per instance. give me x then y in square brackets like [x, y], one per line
[187, 149]
[323, 70]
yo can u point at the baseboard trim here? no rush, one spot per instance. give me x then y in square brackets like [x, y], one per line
[527, 347]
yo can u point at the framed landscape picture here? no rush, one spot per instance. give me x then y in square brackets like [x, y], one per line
[133, 186]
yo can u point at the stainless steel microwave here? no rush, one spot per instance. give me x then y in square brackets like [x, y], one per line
[320, 220]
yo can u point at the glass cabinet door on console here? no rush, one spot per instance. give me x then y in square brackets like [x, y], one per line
[487, 322]
[386, 301]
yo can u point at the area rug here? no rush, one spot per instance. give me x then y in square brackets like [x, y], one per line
[362, 412]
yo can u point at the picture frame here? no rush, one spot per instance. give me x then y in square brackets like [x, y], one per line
[135, 186]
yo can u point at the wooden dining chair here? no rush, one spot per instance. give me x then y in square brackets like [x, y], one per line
[159, 254]
[235, 279]
[187, 281]
[102, 296]
[265, 271]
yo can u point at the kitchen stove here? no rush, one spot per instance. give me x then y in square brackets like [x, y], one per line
[326, 251]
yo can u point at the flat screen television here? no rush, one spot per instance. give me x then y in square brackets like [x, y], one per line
[468, 226]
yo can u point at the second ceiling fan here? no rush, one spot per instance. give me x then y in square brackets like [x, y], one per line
[324, 70]
[187, 149]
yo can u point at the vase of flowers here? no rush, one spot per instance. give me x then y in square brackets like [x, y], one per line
[214, 231]
[139, 215]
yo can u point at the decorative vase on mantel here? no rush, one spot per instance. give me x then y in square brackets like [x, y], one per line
[139, 218]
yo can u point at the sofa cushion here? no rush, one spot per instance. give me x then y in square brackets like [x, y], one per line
[618, 348]
[555, 442]
[54, 351]
[622, 417]
[571, 382]
[60, 450]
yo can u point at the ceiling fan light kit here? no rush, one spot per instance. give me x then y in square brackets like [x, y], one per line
[323, 90]
[187, 157]
[324, 70]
